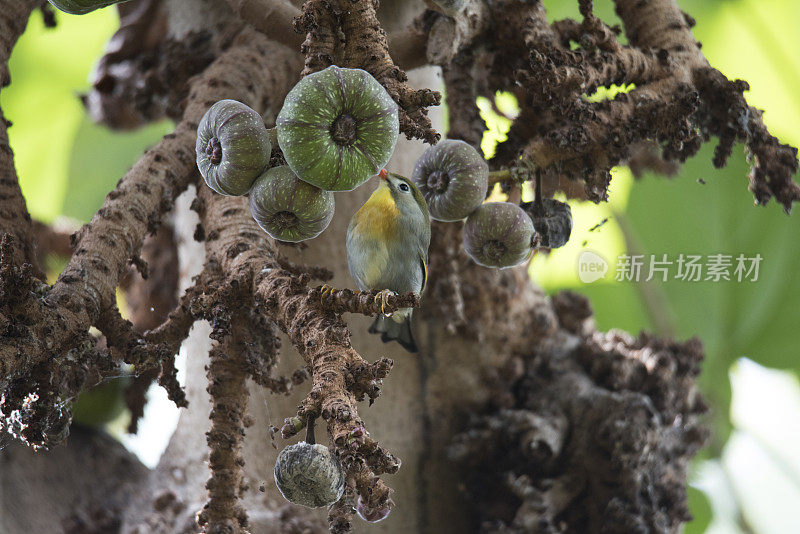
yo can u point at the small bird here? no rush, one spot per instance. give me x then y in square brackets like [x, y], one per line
[387, 248]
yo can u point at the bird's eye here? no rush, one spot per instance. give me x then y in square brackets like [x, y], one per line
[403, 187]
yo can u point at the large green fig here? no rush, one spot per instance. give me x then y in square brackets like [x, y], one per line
[453, 178]
[233, 147]
[337, 128]
[81, 7]
[289, 209]
[498, 234]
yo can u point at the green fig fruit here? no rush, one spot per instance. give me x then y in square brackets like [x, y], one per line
[81, 7]
[233, 147]
[337, 128]
[289, 209]
[453, 177]
[498, 234]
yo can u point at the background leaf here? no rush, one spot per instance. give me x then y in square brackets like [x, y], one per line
[98, 159]
[50, 67]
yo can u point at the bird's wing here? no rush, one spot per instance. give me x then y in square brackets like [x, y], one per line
[424, 264]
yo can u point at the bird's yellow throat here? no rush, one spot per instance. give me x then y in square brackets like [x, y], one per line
[379, 214]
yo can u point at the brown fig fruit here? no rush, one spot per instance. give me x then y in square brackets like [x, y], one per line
[309, 475]
[233, 147]
[289, 209]
[499, 234]
[453, 177]
[552, 220]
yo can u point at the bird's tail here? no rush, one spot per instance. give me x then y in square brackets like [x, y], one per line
[395, 328]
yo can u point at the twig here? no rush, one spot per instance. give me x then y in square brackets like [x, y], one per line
[228, 390]
[273, 18]
[364, 302]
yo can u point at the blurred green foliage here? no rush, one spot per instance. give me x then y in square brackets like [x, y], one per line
[101, 404]
[67, 165]
[48, 70]
[98, 159]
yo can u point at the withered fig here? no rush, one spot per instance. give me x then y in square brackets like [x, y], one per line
[309, 475]
[552, 220]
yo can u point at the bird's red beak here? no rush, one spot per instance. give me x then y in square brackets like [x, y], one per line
[384, 175]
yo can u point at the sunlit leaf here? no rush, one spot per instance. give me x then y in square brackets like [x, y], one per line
[99, 158]
[701, 512]
[48, 69]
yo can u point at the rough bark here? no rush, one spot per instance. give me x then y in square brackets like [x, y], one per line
[52, 492]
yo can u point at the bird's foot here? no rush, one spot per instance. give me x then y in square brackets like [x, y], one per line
[383, 298]
[325, 292]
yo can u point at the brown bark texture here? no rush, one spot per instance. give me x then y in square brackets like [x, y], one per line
[517, 415]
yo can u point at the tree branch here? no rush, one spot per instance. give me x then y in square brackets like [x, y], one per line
[52, 239]
[724, 112]
[51, 324]
[228, 390]
[363, 302]
[104, 247]
[273, 18]
[448, 36]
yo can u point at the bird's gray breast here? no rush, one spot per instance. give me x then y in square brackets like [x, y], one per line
[376, 264]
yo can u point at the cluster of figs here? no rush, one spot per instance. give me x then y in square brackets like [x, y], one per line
[337, 128]
[454, 179]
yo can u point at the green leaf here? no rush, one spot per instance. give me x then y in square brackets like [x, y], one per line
[748, 318]
[49, 67]
[99, 158]
[700, 509]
